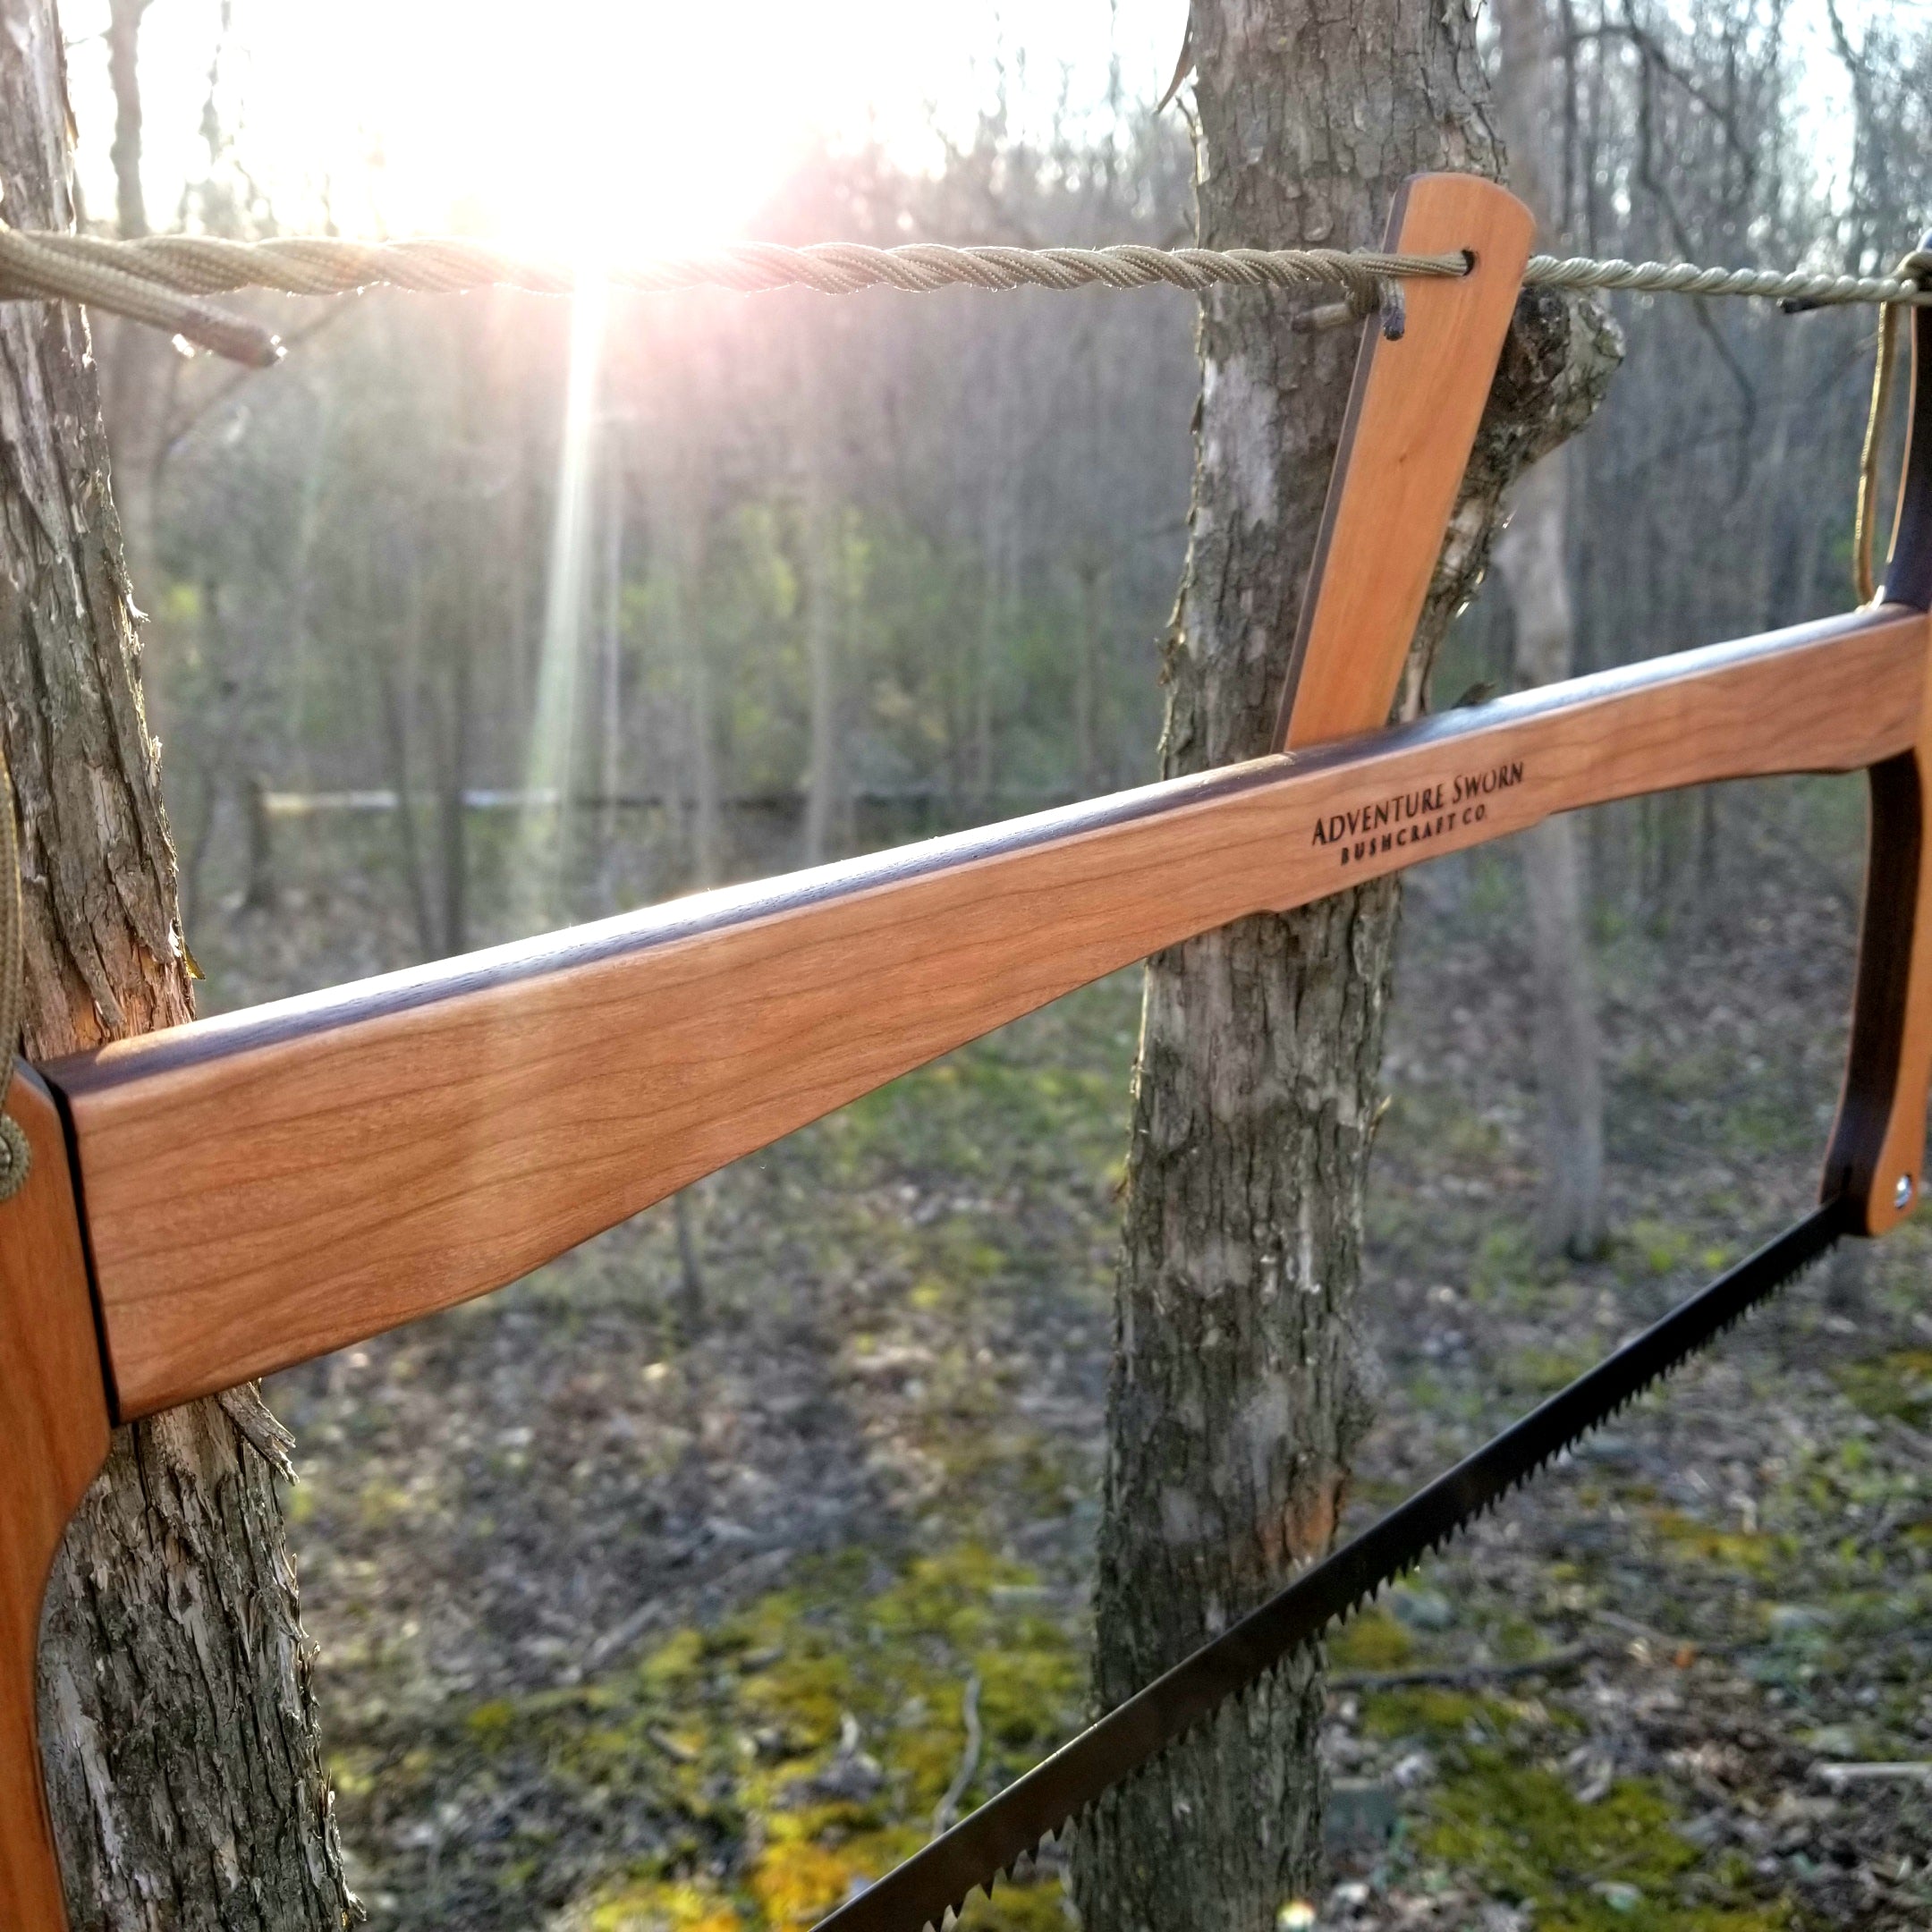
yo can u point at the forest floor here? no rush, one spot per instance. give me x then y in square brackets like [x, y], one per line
[649, 1593]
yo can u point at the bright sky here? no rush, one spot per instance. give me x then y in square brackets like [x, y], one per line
[672, 122]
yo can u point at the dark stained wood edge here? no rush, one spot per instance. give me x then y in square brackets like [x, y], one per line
[53, 1432]
[1877, 1143]
[1875, 1066]
[1909, 571]
[305, 1016]
[239, 1171]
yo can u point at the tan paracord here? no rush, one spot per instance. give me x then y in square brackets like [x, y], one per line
[1915, 270]
[161, 279]
[15, 1156]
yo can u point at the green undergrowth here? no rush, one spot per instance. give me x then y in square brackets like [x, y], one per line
[1045, 1097]
[1755, 1554]
[801, 1746]
[1501, 1814]
[1372, 1641]
[1897, 1387]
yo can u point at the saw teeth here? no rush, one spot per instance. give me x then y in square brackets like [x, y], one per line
[1501, 1485]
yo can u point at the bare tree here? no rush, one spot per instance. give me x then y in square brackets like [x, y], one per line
[611, 656]
[825, 598]
[1237, 1396]
[1533, 558]
[176, 1711]
[685, 559]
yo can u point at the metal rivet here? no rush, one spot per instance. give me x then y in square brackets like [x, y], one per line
[16, 1158]
[1902, 1193]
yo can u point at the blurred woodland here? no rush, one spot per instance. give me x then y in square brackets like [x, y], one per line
[677, 1588]
[815, 574]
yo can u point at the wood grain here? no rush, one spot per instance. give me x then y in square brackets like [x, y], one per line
[53, 1441]
[265, 1187]
[1411, 421]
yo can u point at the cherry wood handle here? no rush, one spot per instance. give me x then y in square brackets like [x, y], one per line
[267, 1186]
[1877, 1157]
[53, 1441]
[1411, 421]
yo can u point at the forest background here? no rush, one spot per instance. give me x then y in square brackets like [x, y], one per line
[760, 581]
[479, 616]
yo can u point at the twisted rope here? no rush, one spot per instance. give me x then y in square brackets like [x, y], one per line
[1796, 291]
[161, 279]
[316, 265]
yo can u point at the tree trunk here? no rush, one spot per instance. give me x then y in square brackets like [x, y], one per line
[1569, 1056]
[260, 894]
[452, 823]
[1087, 678]
[610, 772]
[707, 811]
[178, 1724]
[1534, 561]
[1237, 1394]
[395, 686]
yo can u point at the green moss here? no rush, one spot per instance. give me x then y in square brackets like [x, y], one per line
[1372, 1641]
[1517, 1639]
[491, 1725]
[808, 1737]
[675, 1662]
[1659, 1247]
[1422, 1712]
[1505, 1270]
[1502, 1818]
[1536, 1371]
[1897, 1387]
[1754, 1554]
[1618, 1865]
[665, 1905]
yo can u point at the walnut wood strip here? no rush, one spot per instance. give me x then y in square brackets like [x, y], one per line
[1411, 421]
[1876, 1158]
[265, 1187]
[53, 1413]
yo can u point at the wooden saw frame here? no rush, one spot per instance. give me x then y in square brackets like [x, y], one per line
[223, 1200]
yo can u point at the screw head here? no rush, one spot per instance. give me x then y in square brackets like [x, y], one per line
[1902, 1193]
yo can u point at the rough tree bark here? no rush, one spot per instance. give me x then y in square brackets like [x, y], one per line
[187, 1784]
[1533, 559]
[1237, 1392]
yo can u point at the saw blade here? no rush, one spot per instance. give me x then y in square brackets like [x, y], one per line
[975, 1852]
